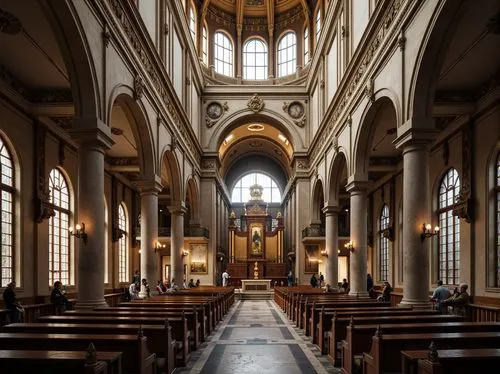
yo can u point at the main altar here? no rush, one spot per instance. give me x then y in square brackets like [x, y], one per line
[256, 245]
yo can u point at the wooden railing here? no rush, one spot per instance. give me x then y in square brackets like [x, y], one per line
[484, 313]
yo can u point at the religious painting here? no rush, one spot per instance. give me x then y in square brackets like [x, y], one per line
[256, 240]
[198, 259]
[312, 257]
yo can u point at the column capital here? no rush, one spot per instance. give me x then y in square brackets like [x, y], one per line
[92, 132]
[415, 136]
[150, 185]
[331, 210]
[357, 185]
[178, 208]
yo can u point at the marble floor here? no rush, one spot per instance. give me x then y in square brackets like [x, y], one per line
[256, 337]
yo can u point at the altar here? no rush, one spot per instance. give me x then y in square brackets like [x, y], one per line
[255, 285]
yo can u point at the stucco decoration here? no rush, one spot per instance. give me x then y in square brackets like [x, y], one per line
[296, 111]
[138, 88]
[214, 112]
[256, 103]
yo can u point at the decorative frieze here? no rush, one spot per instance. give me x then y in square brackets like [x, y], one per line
[256, 103]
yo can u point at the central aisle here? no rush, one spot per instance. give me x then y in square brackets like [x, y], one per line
[256, 337]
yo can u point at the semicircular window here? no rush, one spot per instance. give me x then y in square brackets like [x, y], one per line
[241, 191]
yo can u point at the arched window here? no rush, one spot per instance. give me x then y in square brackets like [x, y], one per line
[287, 55]
[223, 56]
[7, 207]
[449, 233]
[123, 245]
[241, 190]
[317, 25]
[497, 237]
[306, 44]
[255, 60]
[59, 247]
[192, 22]
[383, 244]
[204, 45]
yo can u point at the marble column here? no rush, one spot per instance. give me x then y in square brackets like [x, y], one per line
[359, 217]
[93, 143]
[416, 211]
[148, 190]
[177, 211]
[331, 244]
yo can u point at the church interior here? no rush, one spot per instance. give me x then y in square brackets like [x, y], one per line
[314, 166]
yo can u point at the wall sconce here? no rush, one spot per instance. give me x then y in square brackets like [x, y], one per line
[79, 232]
[426, 231]
[324, 253]
[338, 251]
[158, 246]
[349, 246]
[184, 253]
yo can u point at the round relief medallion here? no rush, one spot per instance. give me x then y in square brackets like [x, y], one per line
[296, 110]
[214, 110]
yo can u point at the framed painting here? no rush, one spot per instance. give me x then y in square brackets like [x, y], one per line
[256, 240]
[312, 257]
[198, 259]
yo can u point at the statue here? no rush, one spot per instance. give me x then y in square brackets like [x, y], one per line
[256, 192]
[232, 215]
[256, 270]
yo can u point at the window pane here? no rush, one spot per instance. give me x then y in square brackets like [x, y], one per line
[270, 192]
[255, 60]
[123, 255]
[287, 51]
[223, 54]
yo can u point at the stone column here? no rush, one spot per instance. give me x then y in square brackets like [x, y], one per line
[331, 244]
[90, 277]
[148, 190]
[416, 212]
[177, 211]
[359, 217]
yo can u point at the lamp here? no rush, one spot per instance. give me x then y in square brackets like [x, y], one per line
[184, 253]
[79, 232]
[324, 252]
[158, 246]
[427, 231]
[349, 246]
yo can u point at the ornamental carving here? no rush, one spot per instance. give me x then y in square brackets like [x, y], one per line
[256, 103]
[296, 110]
[214, 112]
[463, 207]
[138, 88]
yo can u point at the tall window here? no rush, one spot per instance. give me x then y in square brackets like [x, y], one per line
[7, 207]
[223, 56]
[497, 238]
[287, 55]
[306, 44]
[255, 60]
[122, 245]
[192, 23]
[204, 45]
[317, 25]
[241, 190]
[59, 256]
[383, 244]
[449, 233]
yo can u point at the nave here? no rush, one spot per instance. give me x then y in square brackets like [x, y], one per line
[257, 337]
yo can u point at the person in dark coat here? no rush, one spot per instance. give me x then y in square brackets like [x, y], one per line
[15, 310]
[314, 281]
[369, 284]
[58, 299]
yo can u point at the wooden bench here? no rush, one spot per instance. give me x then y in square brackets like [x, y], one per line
[358, 338]
[60, 362]
[385, 352]
[339, 327]
[135, 354]
[460, 361]
[178, 330]
[159, 338]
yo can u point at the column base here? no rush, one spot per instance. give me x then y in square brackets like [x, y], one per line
[86, 305]
[416, 304]
[358, 293]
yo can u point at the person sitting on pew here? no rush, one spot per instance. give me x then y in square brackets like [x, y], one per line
[58, 299]
[146, 287]
[198, 283]
[314, 281]
[386, 292]
[134, 291]
[328, 288]
[191, 283]
[159, 288]
[345, 286]
[369, 285]
[185, 285]
[459, 302]
[15, 310]
[173, 287]
[440, 294]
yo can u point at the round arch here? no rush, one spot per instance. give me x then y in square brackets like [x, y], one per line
[137, 117]
[318, 199]
[338, 168]
[171, 165]
[193, 195]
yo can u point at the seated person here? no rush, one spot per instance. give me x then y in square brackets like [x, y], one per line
[58, 299]
[15, 310]
[191, 283]
[459, 301]
[173, 287]
[159, 288]
[328, 288]
[386, 292]
[134, 291]
[197, 283]
[345, 286]
[146, 287]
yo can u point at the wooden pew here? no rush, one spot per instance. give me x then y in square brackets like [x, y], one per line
[60, 362]
[159, 338]
[135, 354]
[460, 361]
[358, 338]
[339, 326]
[178, 326]
[385, 352]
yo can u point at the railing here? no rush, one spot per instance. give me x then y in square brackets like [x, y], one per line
[484, 313]
[313, 231]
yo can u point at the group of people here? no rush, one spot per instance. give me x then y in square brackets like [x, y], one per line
[161, 287]
[317, 283]
[15, 312]
[457, 302]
